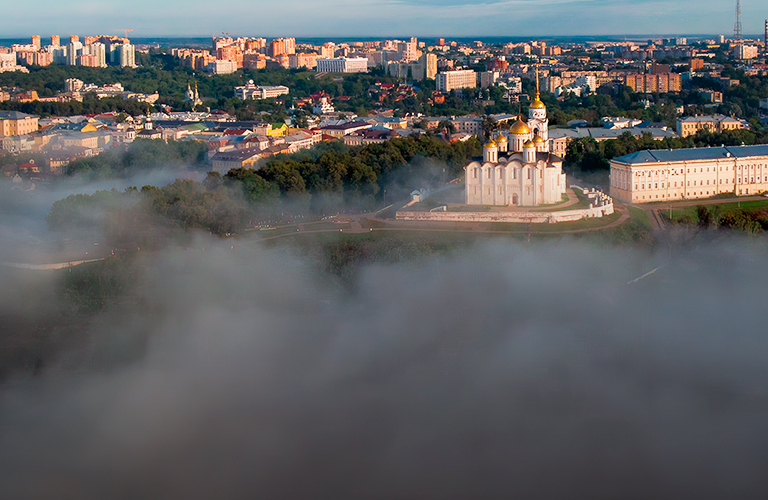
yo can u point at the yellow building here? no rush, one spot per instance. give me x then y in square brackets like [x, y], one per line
[684, 174]
[717, 123]
[16, 123]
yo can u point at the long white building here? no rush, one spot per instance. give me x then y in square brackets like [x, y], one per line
[684, 174]
[342, 65]
[252, 91]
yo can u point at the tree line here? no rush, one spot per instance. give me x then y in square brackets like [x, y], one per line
[329, 178]
[333, 175]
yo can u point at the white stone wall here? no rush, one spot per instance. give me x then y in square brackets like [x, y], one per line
[514, 217]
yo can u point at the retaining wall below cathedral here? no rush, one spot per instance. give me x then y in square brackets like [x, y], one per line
[515, 217]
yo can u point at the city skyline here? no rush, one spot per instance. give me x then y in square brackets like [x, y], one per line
[344, 18]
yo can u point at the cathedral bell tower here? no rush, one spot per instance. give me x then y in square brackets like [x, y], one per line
[537, 116]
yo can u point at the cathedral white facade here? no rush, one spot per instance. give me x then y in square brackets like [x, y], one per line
[518, 168]
[192, 96]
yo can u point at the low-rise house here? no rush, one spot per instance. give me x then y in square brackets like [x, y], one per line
[468, 124]
[299, 141]
[253, 141]
[388, 122]
[58, 159]
[224, 161]
[151, 133]
[368, 136]
[18, 143]
[689, 125]
[342, 129]
[252, 91]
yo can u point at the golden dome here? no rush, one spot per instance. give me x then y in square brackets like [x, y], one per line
[529, 144]
[519, 128]
[501, 138]
[537, 139]
[537, 104]
[490, 144]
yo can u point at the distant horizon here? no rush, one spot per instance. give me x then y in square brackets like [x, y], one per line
[299, 39]
[378, 18]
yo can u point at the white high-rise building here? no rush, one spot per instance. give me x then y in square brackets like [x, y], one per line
[742, 51]
[74, 49]
[100, 51]
[127, 55]
[59, 53]
[122, 54]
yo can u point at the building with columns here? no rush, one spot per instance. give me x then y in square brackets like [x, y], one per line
[517, 168]
[685, 174]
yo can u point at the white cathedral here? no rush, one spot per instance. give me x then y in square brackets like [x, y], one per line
[518, 169]
[192, 96]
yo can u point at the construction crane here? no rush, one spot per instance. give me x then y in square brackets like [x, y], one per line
[126, 33]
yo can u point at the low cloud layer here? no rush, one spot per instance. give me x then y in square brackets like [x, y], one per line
[505, 370]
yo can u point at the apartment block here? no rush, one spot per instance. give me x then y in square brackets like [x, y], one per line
[662, 82]
[457, 79]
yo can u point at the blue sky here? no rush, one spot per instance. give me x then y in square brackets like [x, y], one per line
[349, 18]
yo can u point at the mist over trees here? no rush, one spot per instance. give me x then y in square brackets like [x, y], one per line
[126, 218]
[330, 175]
[140, 155]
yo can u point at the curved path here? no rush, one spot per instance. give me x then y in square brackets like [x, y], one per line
[356, 226]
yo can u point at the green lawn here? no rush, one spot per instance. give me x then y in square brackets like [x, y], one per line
[558, 207]
[370, 223]
[639, 215]
[720, 208]
[318, 226]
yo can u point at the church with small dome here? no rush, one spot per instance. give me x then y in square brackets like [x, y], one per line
[517, 168]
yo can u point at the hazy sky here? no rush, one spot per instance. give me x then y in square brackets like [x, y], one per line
[349, 18]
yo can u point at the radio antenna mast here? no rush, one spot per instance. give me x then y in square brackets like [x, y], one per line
[737, 24]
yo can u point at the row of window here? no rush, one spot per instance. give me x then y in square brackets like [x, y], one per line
[489, 173]
[747, 180]
[501, 191]
[700, 170]
[697, 193]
